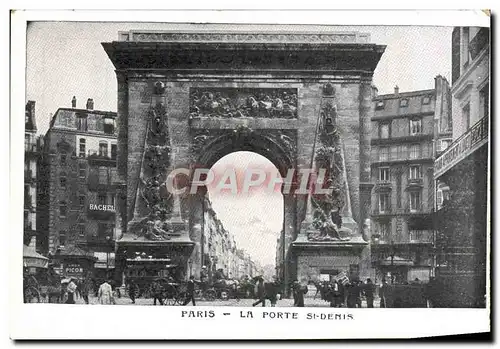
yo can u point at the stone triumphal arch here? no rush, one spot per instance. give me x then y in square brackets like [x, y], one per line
[187, 99]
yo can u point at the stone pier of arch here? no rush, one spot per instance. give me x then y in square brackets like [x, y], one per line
[235, 67]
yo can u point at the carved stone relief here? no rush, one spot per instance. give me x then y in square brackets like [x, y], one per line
[235, 103]
[153, 196]
[327, 208]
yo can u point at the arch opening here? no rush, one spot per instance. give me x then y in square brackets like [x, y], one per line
[243, 216]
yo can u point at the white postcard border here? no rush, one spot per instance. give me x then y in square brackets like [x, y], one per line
[47, 321]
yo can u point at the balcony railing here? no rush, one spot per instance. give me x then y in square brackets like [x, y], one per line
[101, 159]
[463, 146]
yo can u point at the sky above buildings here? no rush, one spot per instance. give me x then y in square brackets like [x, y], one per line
[66, 59]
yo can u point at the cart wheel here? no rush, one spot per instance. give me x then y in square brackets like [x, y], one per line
[224, 295]
[180, 298]
[169, 300]
[210, 295]
[32, 295]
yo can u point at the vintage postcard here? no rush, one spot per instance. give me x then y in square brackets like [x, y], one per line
[251, 180]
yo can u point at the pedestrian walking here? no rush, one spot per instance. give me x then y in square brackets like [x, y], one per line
[132, 290]
[87, 288]
[337, 294]
[71, 290]
[351, 295]
[105, 293]
[358, 291]
[261, 293]
[190, 291]
[157, 292]
[273, 289]
[299, 292]
[383, 293]
[369, 290]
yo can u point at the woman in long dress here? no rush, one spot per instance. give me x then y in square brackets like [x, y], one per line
[105, 294]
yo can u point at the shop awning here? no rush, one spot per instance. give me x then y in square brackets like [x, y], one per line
[32, 259]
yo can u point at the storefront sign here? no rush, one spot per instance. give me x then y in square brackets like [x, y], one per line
[108, 208]
[73, 270]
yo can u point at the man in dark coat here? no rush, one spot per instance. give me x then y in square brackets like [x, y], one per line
[261, 293]
[369, 290]
[157, 292]
[352, 294]
[190, 291]
[272, 290]
[132, 290]
[87, 288]
[299, 291]
[383, 293]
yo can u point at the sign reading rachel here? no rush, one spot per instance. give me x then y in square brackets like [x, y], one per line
[106, 208]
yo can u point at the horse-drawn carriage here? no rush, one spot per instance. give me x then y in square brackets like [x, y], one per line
[42, 287]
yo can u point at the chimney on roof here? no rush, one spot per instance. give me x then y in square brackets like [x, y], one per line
[90, 104]
[396, 90]
[73, 102]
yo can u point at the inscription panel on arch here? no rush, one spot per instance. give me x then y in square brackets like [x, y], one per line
[280, 103]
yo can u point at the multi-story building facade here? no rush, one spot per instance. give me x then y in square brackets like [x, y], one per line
[78, 190]
[461, 176]
[403, 150]
[220, 250]
[31, 155]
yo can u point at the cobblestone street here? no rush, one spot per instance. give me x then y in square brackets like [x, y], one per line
[309, 302]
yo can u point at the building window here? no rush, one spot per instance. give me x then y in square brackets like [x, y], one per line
[384, 131]
[466, 115]
[63, 209]
[442, 195]
[403, 103]
[62, 181]
[81, 230]
[113, 151]
[384, 154]
[82, 148]
[384, 174]
[109, 125]
[63, 158]
[415, 201]
[484, 101]
[383, 202]
[103, 149]
[101, 199]
[385, 231]
[444, 144]
[379, 105]
[414, 151]
[426, 100]
[27, 142]
[415, 126]
[415, 172]
[81, 122]
[81, 201]
[62, 238]
[112, 200]
[82, 171]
